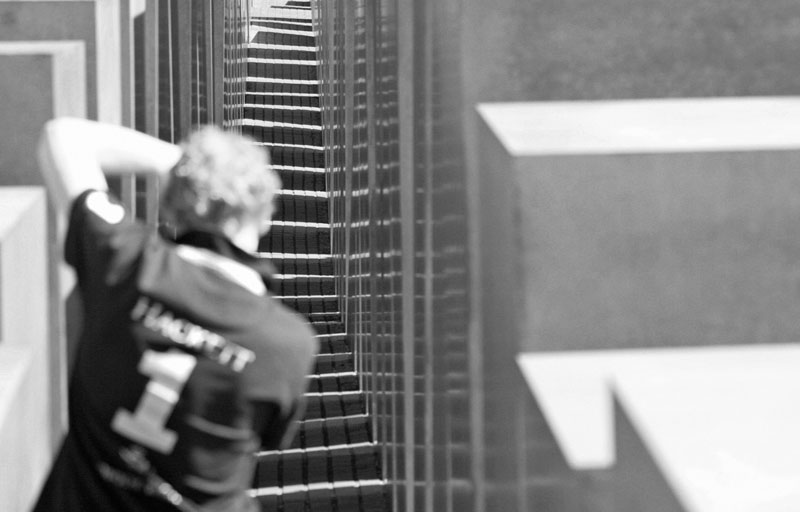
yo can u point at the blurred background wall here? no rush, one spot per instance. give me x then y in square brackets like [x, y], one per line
[404, 80]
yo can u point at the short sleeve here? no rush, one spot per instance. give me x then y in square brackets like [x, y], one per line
[98, 226]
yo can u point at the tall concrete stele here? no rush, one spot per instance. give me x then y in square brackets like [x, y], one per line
[618, 238]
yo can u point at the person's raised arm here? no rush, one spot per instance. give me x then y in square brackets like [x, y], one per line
[77, 154]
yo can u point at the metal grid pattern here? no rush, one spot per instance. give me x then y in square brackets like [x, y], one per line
[334, 463]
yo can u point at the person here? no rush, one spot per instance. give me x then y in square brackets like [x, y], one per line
[186, 364]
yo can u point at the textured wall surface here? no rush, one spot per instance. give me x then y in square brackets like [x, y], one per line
[584, 49]
[660, 250]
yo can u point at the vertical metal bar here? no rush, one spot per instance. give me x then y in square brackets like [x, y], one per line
[244, 27]
[182, 54]
[127, 182]
[127, 191]
[406, 129]
[167, 38]
[337, 103]
[372, 242]
[237, 20]
[218, 60]
[330, 81]
[196, 81]
[126, 61]
[208, 43]
[428, 250]
[150, 48]
[357, 215]
[234, 77]
[152, 194]
[349, 98]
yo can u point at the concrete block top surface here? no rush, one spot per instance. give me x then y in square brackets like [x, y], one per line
[645, 126]
[35, 47]
[720, 423]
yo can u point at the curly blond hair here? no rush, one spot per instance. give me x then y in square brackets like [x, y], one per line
[221, 176]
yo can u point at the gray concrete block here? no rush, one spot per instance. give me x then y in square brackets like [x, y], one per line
[43, 80]
[95, 22]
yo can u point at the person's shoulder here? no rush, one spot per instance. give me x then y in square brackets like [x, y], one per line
[288, 327]
[284, 347]
[291, 319]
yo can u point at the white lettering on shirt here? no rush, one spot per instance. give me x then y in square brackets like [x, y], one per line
[155, 317]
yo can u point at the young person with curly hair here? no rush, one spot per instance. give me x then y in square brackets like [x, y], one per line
[186, 365]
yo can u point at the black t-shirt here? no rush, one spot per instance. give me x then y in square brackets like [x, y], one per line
[185, 366]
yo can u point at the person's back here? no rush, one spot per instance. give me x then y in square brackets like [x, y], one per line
[186, 365]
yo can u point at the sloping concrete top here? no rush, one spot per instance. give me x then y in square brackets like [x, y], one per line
[721, 423]
[645, 126]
